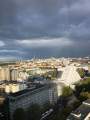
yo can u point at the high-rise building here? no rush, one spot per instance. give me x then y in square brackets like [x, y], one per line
[25, 98]
[4, 73]
[13, 74]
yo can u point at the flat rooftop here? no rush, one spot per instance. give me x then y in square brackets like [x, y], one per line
[80, 113]
[31, 90]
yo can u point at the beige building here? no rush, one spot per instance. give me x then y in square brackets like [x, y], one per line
[14, 74]
[8, 74]
[13, 88]
[4, 73]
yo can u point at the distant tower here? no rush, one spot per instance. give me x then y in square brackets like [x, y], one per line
[14, 74]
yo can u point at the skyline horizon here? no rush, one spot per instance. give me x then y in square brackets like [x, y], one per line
[7, 59]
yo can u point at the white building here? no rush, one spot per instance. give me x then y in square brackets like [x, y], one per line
[13, 88]
[70, 75]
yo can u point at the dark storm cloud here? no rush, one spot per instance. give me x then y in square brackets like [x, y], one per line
[66, 23]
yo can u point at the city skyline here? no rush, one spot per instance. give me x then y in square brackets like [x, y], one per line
[58, 28]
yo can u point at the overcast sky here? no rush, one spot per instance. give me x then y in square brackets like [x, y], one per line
[44, 28]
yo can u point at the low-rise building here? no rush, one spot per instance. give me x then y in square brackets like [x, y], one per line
[14, 87]
[81, 113]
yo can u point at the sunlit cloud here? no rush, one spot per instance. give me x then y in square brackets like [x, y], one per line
[37, 43]
[11, 51]
[2, 44]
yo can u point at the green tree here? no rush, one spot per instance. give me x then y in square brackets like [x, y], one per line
[81, 72]
[82, 89]
[84, 96]
[76, 104]
[46, 107]
[34, 112]
[62, 114]
[67, 91]
[19, 114]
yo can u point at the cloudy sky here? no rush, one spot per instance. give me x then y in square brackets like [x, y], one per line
[44, 28]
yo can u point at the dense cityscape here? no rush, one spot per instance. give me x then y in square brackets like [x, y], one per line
[40, 89]
[44, 59]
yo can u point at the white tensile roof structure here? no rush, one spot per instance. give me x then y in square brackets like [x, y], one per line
[69, 75]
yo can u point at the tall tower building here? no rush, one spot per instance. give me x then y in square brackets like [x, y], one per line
[4, 73]
[13, 74]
